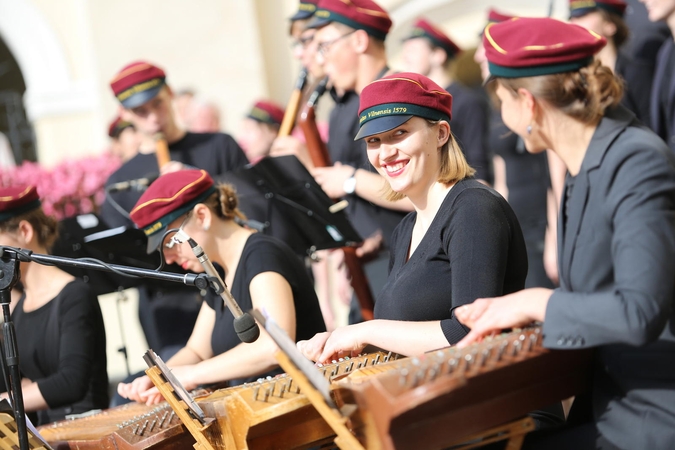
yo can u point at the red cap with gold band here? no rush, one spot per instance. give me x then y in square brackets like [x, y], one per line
[393, 100]
[17, 200]
[168, 198]
[137, 83]
[117, 126]
[425, 29]
[527, 47]
[267, 112]
[306, 9]
[580, 8]
[359, 14]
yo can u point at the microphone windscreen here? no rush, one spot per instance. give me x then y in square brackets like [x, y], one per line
[246, 328]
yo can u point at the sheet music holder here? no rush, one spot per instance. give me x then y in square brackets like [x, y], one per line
[87, 236]
[9, 439]
[280, 193]
[123, 246]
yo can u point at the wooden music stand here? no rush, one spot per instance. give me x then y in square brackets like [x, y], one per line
[9, 439]
[312, 384]
[181, 403]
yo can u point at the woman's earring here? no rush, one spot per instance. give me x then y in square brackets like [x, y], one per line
[529, 129]
[206, 227]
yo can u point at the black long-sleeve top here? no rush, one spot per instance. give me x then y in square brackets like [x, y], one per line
[470, 125]
[62, 347]
[216, 153]
[474, 248]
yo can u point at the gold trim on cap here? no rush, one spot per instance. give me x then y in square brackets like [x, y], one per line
[491, 39]
[170, 199]
[131, 70]
[411, 81]
[21, 195]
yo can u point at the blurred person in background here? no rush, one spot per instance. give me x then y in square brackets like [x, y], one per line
[202, 117]
[662, 102]
[181, 104]
[259, 129]
[605, 17]
[427, 50]
[124, 141]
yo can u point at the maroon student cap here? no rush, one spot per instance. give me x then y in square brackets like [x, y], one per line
[17, 200]
[168, 198]
[393, 100]
[117, 126]
[359, 14]
[268, 112]
[579, 8]
[527, 47]
[306, 9]
[424, 29]
[137, 83]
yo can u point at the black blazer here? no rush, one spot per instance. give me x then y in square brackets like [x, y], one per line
[617, 275]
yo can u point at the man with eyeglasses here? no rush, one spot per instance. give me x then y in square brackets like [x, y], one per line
[350, 38]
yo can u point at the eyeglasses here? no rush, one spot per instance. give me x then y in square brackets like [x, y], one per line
[324, 47]
[302, 42]
[173, 241]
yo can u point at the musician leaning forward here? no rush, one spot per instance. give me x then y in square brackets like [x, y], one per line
[59, 327]
[261, 272]
[616, 235]
[462, 240]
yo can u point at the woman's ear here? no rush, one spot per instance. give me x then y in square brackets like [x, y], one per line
[443, 133]
[528, 103]
[203, 215]
[25, 233]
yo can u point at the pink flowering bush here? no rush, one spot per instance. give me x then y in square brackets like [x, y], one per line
[71, 188]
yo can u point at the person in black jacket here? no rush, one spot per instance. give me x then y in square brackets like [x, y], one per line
[59, 327]
[616, 239]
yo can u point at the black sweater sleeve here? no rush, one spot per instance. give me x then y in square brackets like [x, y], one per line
[477, 244]
[78, 334]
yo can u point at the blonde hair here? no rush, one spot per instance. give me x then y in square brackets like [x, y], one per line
[453, 167]
[224, 202]
[45, 227]
[584, 95]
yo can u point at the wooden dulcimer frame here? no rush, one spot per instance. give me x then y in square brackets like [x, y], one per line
[466, 397]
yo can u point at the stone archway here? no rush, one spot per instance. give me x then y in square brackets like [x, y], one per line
[50, 87]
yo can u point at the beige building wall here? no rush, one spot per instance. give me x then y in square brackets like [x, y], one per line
[231, 52]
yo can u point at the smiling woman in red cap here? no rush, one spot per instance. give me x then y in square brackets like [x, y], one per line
[59, 327]
[616, 242]
[462, 240]
[261, 273]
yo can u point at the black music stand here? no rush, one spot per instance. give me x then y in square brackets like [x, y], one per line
[282, 195]
[115, 246]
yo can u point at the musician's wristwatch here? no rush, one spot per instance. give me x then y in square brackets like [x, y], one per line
[349, 186]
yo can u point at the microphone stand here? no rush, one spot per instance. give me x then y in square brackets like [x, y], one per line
[10, 258]
[9, 275]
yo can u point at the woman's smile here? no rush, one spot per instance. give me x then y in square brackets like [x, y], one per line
[395, 168]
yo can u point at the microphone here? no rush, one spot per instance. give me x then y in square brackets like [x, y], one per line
[244, 324]
[132, 185]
